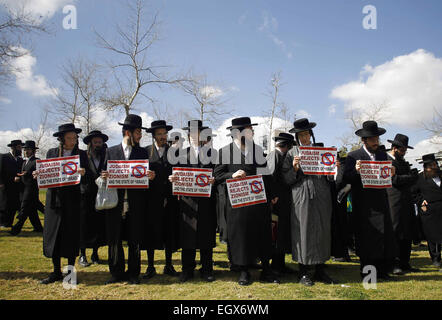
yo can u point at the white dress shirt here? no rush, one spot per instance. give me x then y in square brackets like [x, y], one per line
[437, 181]
[372, 156]
[160, 150]
[127, 149]
[238, 144]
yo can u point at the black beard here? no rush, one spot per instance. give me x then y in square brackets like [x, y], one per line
[98, 150]
[398, 156]
[17, 153]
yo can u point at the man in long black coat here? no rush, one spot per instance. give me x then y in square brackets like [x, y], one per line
[248, 228]
[162, 224]
[29, 201]
[61, 232]
[10, 166]
[375, 243]
[93, 225]
[126, 220]
[401, 203]
[428, 197]
[197, 214]
[284, 143]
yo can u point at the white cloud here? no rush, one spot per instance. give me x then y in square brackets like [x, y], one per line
[410, 86]
[270, 26]
[211, 91]
[39, 9]
[26, 80]
[432, 145]
[5, 100]
[332, 109]
[302, 114]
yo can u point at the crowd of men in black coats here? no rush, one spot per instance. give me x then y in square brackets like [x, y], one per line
[310, 217]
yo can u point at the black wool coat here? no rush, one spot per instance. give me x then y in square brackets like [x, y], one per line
[131, 228]
[371, 211]
[426, 189]
[249, 232]
[61, 232]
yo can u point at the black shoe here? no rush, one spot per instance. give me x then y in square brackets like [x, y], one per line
[410, 269]
[14, 231]
[53, 277]
[185, 276]
[83, 262]
[383, 276]
[268, 276]
[437, 264]
[150, 273]
[113, 280]
[169, 270]
[306, 281]
[322, 276]
[94, 258]
[207, 276]
[134, 280]
[244, 278]
[397, 271]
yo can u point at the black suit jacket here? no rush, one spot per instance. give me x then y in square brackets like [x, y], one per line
[30, 186]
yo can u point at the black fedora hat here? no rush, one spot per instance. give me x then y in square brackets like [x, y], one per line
[428, 158]
[158, 124]
[302, 125]
[16, 143]
[94, 134]
[241, 122]
[370, 129]
[29, 144]
[67, 127]
[285, 137]
[400, 140]
[195, 124]
[132, 121]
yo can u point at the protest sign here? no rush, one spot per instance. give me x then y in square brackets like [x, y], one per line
[128, 174]
[246, 191]
[376, 174]
[58, 172]
[318, 160]
[193, 182]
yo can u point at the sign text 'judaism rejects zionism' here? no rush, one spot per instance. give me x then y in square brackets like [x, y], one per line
[318, 160]
[376, 174]
[246, 191]
[193, 182]
[58, 172]
[128, 174]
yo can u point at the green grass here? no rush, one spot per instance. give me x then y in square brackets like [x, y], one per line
[22, 266]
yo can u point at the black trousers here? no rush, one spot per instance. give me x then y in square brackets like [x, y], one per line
[116, 260]
[435, 251]
[278, 259]
[188, 260]
[11, 206]
[382, 265]
[28, 209]
[403, 258]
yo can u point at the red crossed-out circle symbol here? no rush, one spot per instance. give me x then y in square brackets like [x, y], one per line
[256, 186]
[69, 168]
[139, 171]
[328, 159]
[385, 172]
[202, 180]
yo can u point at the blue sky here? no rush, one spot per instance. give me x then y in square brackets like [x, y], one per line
[317, 45]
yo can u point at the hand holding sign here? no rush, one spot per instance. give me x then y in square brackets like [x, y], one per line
[239, 174]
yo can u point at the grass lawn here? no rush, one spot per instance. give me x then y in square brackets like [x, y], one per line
[22, 266]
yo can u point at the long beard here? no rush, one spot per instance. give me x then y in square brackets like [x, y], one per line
[398, 156]
[17, 153]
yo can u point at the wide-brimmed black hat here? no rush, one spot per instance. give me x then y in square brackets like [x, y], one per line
[15, 143]
[242, 122]
[302, 125]
[370, 129]
[94, 134]
[29, 144]
[158, 124]
[195, 123]
[67, 127]
[132, 121]
[428, 158]
[282, 136]
[400, 140]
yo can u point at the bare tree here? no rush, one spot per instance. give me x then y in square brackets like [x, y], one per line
[273, 92]
[16, 27]
[210, 99]
[132, 70]
[40, 133]
[79, 98]
[357, 116]
[434, 127]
